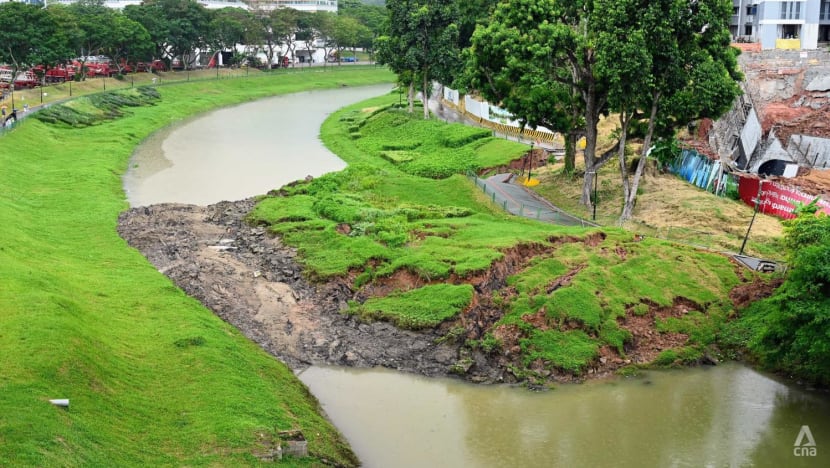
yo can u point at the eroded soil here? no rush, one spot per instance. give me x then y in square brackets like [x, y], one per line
[252, 281]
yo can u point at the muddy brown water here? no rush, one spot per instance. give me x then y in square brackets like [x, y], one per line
[729, 415]
[240, 151]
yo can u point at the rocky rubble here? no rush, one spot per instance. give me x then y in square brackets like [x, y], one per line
[253, 282]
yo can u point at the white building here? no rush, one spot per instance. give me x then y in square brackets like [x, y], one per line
[775, 24]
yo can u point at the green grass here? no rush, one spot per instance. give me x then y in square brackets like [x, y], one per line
[608, 285]
[153, 377]
[403, 204]
[419, 308]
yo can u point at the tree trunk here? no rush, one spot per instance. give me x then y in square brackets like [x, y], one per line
[410, 96]
[630, 201]
[625, 119]
[589, 155]
[570, 152]
[425, 96]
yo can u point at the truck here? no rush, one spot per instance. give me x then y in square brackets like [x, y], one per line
[24, 80]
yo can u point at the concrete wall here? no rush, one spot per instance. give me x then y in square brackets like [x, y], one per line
[774, 151]
[751, 133]
[814, 150]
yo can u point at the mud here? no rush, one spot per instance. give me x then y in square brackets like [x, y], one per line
[253, 282]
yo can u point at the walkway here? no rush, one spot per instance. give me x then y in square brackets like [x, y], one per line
[518, 200]
[512, 197]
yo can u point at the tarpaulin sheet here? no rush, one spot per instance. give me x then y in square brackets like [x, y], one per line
[776, 199]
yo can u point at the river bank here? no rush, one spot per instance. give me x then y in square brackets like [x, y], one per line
[153, 377]
[251, 280]
[290, 298]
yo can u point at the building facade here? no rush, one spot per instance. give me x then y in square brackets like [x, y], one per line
[777, 24]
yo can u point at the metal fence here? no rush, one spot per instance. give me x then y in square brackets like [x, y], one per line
[516, 200]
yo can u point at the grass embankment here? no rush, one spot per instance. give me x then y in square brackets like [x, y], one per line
[669, 208]
[416, 245]
[153, 377]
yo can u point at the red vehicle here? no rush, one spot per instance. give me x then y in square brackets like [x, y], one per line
[156, 65]
[60, 74]
[23, 80]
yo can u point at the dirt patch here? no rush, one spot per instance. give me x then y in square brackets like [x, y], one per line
[646, 342]
[253, 282]
[755, 290]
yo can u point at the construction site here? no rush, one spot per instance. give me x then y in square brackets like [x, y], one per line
[779, 129]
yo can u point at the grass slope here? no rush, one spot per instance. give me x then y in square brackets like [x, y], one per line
[153, 377]
[416, 223]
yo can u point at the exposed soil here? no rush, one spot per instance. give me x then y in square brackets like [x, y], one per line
[253, 282]
[249, 279]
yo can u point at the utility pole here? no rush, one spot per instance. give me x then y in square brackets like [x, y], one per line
[755, 212]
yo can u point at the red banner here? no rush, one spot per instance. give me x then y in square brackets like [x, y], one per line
[776, 199]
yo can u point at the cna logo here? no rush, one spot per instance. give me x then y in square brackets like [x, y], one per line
[805, 444]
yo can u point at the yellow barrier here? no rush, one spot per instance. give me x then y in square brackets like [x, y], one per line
[537, 135]
[788, 43]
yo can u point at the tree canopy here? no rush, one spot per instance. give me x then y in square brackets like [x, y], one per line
[564, 63]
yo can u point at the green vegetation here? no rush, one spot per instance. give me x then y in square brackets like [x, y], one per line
[152, 376]
[419, 308]
[790, 331]
[568, 291]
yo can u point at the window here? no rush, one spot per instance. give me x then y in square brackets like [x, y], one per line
[748, 30]
[751, 10]
[791, 10]
[825, 10]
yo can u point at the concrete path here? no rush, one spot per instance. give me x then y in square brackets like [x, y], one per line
[518, 200]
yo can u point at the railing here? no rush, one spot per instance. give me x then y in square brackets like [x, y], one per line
[535, 211]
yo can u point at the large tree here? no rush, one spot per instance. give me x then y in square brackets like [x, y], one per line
[177, 27]
[228, 27]
[422, 43]
[129, 41]
[279, 27]
[538, 59]
[28, 36]
[348, 33]
[373, 17]
[671, 65]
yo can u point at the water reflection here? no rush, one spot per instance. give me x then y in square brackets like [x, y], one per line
[723, 416]
[239, 152]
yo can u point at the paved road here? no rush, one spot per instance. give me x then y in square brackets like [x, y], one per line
[503, 188]
[518, 200]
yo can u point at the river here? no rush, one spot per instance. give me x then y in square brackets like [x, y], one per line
[729, 415]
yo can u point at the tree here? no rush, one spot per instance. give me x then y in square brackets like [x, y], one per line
[347, 33]
[177, 27]
[28, 36]
[156, 26]
[532, 52]
[278, 27]
[129, 41]
[325, 25]
[307, 32]
[673, 65]
[227, 28]
[423, 42]
[373, 17]
[89, 31]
